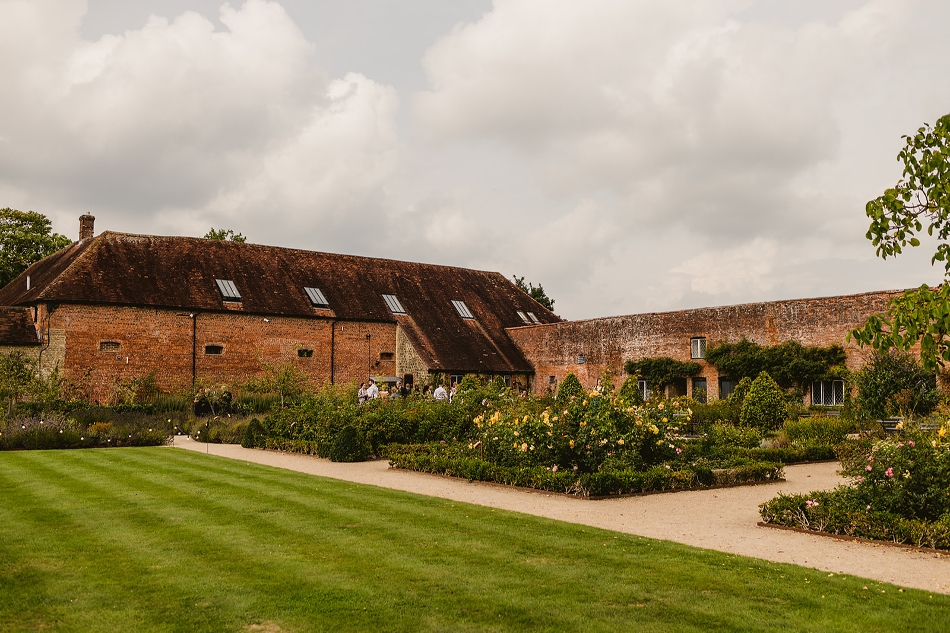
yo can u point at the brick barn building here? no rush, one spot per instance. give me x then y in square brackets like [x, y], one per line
[120, 306]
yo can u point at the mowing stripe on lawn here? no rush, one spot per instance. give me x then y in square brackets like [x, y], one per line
[150, 539]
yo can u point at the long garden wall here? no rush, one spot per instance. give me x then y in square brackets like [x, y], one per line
[588, 347]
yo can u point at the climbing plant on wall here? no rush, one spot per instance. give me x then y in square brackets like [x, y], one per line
[661, 372]
[791, 364]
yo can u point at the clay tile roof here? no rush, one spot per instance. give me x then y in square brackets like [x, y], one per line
[180, 273]
[16, 327]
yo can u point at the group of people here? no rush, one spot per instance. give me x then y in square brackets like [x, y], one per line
[404, 391]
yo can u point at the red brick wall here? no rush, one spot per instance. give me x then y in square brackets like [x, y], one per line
[161, 340]
[609, 342]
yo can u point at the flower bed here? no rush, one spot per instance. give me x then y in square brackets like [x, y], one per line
[457, 461]
[899, 492]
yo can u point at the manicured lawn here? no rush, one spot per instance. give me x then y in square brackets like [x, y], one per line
[141, 539]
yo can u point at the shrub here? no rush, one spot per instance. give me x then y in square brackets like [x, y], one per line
[348, 446]
[57, 432]
[718, 436]
[254, 435]
[827, 430]
[764, 407]
[570, 388]
[630, 391]
[737, 397]
[893, 383]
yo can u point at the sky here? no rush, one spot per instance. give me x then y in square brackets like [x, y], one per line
[630, 156]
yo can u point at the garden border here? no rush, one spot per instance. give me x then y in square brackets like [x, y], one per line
[856, 539]
[580, 497]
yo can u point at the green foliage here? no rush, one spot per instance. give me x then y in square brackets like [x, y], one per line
[255, 435]
[630, 391]
[26, 237]
[456, 462]
[569, 388]
[661, 372]
[791, 364]
[899, 491]
[18, 377]
[920, 316]
[285, 380]
[764, 407]
[212, 399]
[819, 430]
[723, 436]
[605, 384]
[58, 432]
[348, 446]
[537, 294]
[893, 383]
[921, 197]
[312, 425]
[737, 397]
[225, 235]
[220, 430]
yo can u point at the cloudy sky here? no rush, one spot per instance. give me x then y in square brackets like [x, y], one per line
[628, 155]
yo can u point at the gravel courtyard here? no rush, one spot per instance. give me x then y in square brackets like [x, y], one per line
[724, 520]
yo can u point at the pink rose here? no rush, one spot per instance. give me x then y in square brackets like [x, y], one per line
[889, 472]
[867, 468]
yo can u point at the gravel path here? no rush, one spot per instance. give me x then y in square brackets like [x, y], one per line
[723, 519]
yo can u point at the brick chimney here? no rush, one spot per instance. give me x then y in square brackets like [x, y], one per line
[86, 223]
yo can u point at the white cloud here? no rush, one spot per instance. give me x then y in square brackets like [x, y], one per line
[688, 122]
[186, 124]
[628, 155]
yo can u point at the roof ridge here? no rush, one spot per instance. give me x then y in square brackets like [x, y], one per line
[300, 250]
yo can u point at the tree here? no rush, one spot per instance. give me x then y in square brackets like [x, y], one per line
[225, 235]
[537, 294]
[893, 383]
[921, 197]
[764, 407]
[26, 237]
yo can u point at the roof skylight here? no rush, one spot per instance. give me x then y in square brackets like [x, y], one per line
[533, 318]
[462, 309]
[316, 297]
[229, 291]
[523, 317]
[393, 303]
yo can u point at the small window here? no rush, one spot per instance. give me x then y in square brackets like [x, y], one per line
[552, 380]
[305, 353]
[214, 350]
[317, 300]
[726, 387]
[699, 389]
[393, 304]
[524, 317]
[462, 309]
[533, 318]
[387, 355]
[455, 379]
[827, 393]
[697, 347]
[229, 291]
[644, 387]
[581, 359]
[109, 346]
[507, 379]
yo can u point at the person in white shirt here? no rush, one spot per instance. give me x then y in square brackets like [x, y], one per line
[440, 393]
[372, 392]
